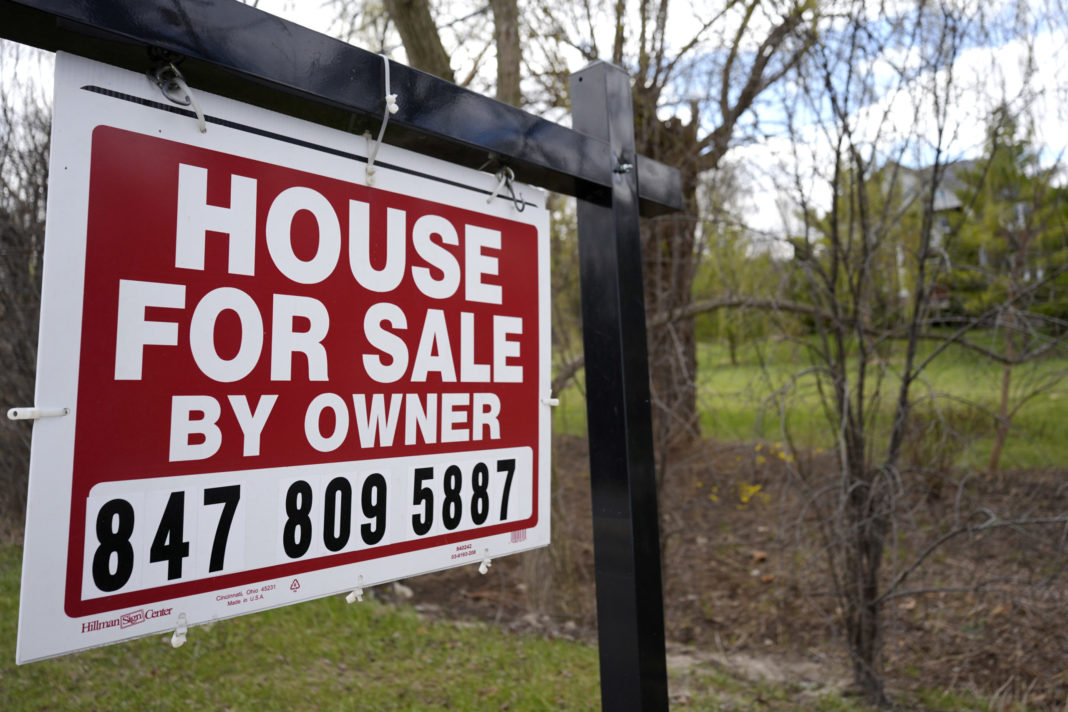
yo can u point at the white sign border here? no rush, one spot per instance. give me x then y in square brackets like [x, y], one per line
[45, 630]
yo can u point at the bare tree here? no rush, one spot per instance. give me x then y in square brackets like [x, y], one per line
[873, 263]
[420, 36]
[678, 66]
[25, 122]
[506, 36]
[711, 74]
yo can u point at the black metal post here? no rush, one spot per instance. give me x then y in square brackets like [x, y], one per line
[630, 605]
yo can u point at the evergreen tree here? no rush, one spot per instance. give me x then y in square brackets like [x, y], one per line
[1010, 251]
[1009, 255]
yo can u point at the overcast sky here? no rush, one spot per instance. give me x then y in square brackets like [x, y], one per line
[989, 73]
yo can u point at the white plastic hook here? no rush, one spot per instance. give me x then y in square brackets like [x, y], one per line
[484, 567]
[33, 413]
[391, 108]
[357, 593]
[178, 639]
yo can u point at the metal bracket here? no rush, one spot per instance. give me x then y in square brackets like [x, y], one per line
[172, 85]
[505, 177]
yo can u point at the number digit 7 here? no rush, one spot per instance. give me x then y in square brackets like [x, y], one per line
[507, 466]
[228, 497]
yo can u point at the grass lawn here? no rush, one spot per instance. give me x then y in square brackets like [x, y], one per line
[324, 655]
[772, 391]
[327, 655]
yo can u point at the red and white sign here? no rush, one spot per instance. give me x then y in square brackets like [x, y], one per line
[283, 383]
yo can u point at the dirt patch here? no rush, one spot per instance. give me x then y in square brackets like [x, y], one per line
[768, 667]
[746, 587]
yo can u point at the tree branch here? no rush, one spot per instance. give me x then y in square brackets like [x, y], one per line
[992, 522]
[570, 368]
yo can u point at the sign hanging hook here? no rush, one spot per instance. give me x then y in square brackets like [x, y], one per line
[391, 108]
[505, 177]
[172, 85]
[178, 637]
[357, 593]
[35, 413]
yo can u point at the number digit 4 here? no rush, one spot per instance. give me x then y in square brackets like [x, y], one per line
[168, 544]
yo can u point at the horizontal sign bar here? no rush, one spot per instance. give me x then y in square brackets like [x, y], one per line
[271, 62]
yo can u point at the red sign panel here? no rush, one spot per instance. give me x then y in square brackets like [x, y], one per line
[283, 371]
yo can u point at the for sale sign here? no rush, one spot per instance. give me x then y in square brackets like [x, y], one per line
[282, 382]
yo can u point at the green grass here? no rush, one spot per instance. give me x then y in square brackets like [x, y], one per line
[1039, 435]
[770, 389]
[950, 701]
[772, 392]
[326, 655]
[569, 417]
[323, 655]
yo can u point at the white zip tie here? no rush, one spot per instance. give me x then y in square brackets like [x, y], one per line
[36, 413]
[192, 100]
[391, 108]
[502, 178]
[169, 79]
[178, 639]
[551, 402]
[483, 568]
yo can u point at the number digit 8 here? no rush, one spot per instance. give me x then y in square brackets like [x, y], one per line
[114, 538]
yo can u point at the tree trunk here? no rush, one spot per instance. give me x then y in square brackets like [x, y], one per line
[1001, 431]
[864, 545]
[668, 249]
[420, 36]
[668, 271]
[506, 28]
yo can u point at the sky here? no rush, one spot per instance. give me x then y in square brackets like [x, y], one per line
[313, 14]
[982, 77]
[992, 73]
